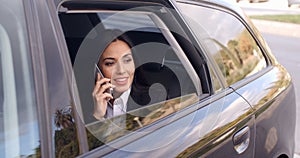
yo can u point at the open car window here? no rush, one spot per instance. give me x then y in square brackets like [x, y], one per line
[164, 79]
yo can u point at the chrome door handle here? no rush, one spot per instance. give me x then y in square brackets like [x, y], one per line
[241, 140]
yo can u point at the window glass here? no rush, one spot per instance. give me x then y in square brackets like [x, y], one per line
[163, 80]
[228, 42]
[19, 135]
[215, 81]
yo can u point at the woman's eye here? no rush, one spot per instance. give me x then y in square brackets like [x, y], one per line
[127, 60]
[108, 63]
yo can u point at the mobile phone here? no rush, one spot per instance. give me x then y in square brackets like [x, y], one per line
[99, 71]
[110, 90]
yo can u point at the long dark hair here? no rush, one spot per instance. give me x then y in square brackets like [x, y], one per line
[112, 35]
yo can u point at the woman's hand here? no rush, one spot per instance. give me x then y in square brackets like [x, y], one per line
[101, 96]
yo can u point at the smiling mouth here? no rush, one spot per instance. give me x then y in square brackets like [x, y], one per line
[121, 81]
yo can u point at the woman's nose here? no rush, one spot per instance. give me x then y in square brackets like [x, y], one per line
[120, 68]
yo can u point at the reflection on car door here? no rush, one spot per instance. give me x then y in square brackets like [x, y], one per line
[222, 122]
[273, 101]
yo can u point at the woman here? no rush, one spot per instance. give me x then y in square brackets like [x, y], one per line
[117, 66]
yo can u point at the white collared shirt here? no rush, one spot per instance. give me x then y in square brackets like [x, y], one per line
[119, 105]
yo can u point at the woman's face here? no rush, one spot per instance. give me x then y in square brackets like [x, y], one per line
[117, 63]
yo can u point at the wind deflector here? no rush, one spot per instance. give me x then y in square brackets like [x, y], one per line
[110, 5]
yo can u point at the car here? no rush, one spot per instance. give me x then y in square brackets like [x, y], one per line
[292, 2]
[206, 83]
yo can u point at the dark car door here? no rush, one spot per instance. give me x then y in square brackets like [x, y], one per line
[204, 120]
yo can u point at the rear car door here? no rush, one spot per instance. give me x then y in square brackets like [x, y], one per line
[49, 102]
[207, 118]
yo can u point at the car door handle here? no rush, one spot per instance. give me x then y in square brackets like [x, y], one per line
[241, 140]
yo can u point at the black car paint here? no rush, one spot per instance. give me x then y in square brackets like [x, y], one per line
[257, 103]
[273, 110]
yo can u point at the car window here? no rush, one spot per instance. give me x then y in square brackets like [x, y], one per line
[19, 135]
[228, 43]
[164, 79]
[217, 86]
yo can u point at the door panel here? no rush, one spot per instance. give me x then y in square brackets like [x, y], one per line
[197, 131]
[272, 97]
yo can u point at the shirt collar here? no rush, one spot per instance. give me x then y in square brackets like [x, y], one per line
[122, 100]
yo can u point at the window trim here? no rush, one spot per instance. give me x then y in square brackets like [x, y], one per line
[39, 77]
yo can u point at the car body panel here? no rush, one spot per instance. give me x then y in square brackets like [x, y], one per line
[273, 97]
[263, 104]
[205, 129]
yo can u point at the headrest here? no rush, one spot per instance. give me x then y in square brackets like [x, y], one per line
[152, 73]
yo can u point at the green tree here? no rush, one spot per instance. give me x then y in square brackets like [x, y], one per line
[63, 118]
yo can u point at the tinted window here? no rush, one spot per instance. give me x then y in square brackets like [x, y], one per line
[19, 134]
[164, 80]
[229, 44]
[217, 86]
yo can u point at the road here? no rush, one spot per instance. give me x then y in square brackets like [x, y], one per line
[284, 43]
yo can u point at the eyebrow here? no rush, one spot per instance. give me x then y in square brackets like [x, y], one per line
[126, 55]
[111, 58]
